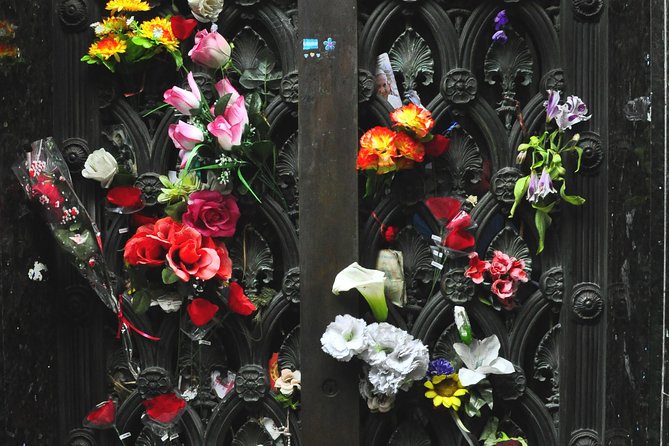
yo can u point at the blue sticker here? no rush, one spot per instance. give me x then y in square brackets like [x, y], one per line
[329, 44]
[309, 44]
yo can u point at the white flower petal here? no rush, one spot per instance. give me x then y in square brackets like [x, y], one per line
[501, 366]
[369, 282]
[487, 350]
[470, 377]
[465, 352]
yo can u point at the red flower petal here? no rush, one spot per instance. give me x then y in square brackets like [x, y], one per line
[238, 302]
[390, 233]
[164, 408]
[437, 146]
[125, 196]
[461, 221]
[460, 240]
[273, 368]
[141, 219]
[182, 28]
[201, 311]
[102, 416]
[443, 208]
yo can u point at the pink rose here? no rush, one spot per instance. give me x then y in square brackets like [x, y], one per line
[500, 265]
[210, 50]
[504, 289]
[185, 137]
[224, 87]
[184, 100]
[212, 214]
[476, 268]
[229, 127]
[517, 271]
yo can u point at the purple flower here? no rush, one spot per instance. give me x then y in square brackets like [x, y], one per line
[501, 19]
[552, 105]
[572, 112]
[533, 187]
[545, 186]
[440, 367]
[500, 36]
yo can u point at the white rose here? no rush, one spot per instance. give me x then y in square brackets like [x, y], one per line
[100, 166]
[206, 10]
[288, 380]
[344, 337]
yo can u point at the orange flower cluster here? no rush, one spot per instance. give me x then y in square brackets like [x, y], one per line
[385, 150]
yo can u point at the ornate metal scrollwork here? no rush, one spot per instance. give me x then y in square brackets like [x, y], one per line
[252, 433]
[587, 9]
[456, 287]
[417, 260]
[252, 260]
[286, 168]
[465, 163]
[551, 284]
[547, 366]
[75, 151]
[73, 13]
[459, 86]
[153, 381]
[81, 437]
[593, 154]
[289, 353]
[248, 46]
[459, 17]
[510, 242]
[150, 185]
[409, 433]
[553, 80]
[291, 285]
[366, 84]
[584, 437]
[411, 56]
[512, 63]
[511, 386]
[251, 383]
[289, 87]
[587, 302]
[503, 183]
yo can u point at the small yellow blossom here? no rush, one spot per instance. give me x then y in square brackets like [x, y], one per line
[445, 390]
[127, 5]
[159, 30]
[107, 47]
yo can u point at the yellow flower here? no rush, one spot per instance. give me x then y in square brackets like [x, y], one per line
[159, 30]
[8, 50]
[107, 47]
[445, 390]
[127, 5]
[114, 24]
[414, 118]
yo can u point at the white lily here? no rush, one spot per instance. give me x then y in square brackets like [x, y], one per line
[100, 166]
[369, 282]
[481, 358]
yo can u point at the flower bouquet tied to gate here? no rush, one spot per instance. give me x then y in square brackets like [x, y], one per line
[546, 184]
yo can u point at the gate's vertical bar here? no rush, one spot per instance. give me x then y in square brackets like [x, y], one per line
[584, 44]
[328, 126]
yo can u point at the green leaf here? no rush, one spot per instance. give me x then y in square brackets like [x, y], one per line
[264, 150]
[579, 151]
[133, 52]
[221, 104]
[168, 276]
[519, 192]
[246, 184]
[260, 124]
[489, 433]
[571, 199]
[141, 301]
[178, 58]
[542, 221]
[141, 41]
[176, 210]
[254, 103]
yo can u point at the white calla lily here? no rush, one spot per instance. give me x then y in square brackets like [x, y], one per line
[369, 282]
[481, 358]
[100, 166]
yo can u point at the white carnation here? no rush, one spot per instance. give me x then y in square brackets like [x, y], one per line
[344, 337]
[381, 339]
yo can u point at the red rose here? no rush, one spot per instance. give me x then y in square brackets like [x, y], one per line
[443, 208]
[504, 289]
[139, 219]
[164, 408]
[500, 265]
[225, 270]
[144, 249]
[188, 257]
[238, 302]
[164, 230]
[437, 146]
[390, 233]
[476, 268]
[459, 240]
[212, 213]
[47, 192]
[517, 271]
[182, 28]
[125, 197]
[201, 311]
[102, 417]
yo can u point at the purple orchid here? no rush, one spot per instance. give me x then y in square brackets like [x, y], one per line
[552, 105]
[572, 112]
[501, 19]
[440, 366]
[533, 187]
[500, 36]
[545, 186]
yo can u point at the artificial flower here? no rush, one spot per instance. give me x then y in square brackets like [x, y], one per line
[437, 146]
[229, 127]
[375, 403]
[114, 24]
[408, 147]
[273, 368]
[100, 166]
[143, 248]
[288, 381]
[476, 268]
[180, 189]
[182, 27]
[127, 5]
[448, 211]
[385, 381]
[552, 105]
[125, 196]
[414, 118]
[500, 265]
[184, 100]
[544, 186]
[500, 37]
[517, 271]
[533, 187]
[206, 10]
[501, 19]
[369, 282]
[185, 137]
[47, 192]
[344, 337]
[503, 288]
[110, 46]
[159, 29]
[440, 366]
[165, 408]
[445, 390]
[103, 416]
[238, 302]
[381, 339]
[191, 255]
[390, 233]
[211, 213]
[210, 50]
[572, 112]
[139, 219]
[224, 87]
[225, 270]
[480, 359]
[201, 311]
[377, 150]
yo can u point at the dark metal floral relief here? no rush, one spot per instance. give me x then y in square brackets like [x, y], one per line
[459, 86]
[411, 56]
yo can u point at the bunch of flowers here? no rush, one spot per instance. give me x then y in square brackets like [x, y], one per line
[503, 273]
[546, 184]
[9, 52]
[393, 358]
[120, 38]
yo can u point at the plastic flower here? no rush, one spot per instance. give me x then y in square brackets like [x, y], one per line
[440, 366]
[288, 381]
[414, 118]
[114, 24]
[180, 189]
[206, 10]
[501, 19]
[375, 403]
[533, 187]
[377, 150]
[408, 147]
[343, 338]
[184, 100]
[100, 166]
[445, 390]
[103, 416]
[552, 105]
[545, 185]
[476, 268]
[127, 5]
[159, 29]
[500, 37]
[572, 112]
[110, 46]
[481, 358]
[369, 282]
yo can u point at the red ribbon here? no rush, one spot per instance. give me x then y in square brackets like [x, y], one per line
[122, 321]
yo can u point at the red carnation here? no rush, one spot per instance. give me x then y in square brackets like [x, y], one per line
[103, 416]
[437, 146]
[125, 196]
[201, 311]
[182, 27]
[238, 302]
[164, 408]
